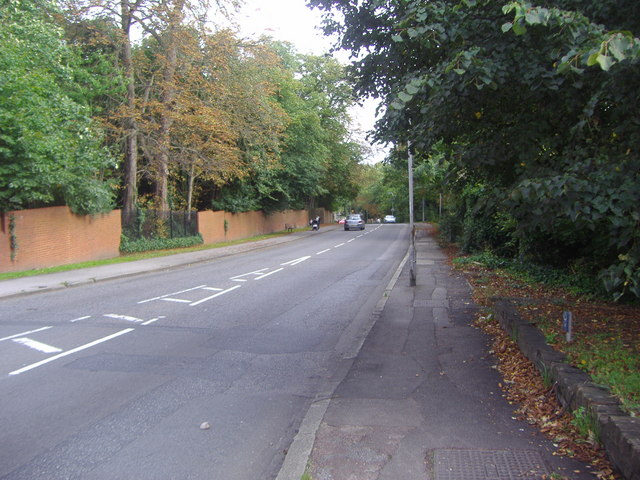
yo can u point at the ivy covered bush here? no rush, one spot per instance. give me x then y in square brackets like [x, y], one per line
[149, 244]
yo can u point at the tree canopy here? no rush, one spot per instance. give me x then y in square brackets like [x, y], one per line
[122, 103]
[533, 108]
[51, 149]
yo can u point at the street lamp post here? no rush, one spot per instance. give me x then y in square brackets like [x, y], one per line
[411, 226]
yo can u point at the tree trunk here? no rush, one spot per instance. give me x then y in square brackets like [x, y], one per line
[190, 190]
[131, 129]
[169, 89]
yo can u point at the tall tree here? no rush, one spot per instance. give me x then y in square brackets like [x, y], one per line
[535, 105]
[125, 14]
[51, 150]
[164, 20]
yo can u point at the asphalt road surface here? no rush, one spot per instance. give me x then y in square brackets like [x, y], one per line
[115, 380]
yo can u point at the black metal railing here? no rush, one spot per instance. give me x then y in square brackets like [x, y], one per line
[147, 223]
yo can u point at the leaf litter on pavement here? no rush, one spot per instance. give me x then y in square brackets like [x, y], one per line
[600, 328]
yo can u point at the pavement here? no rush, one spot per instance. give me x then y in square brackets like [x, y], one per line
[60, 280]
[421, 399]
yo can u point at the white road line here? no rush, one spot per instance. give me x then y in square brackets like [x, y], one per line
[41, 347]
[339, 245]
[213, 289]
[269, 273]
[214, 296]
[80, 318]
[24, 333]
[178, 300]
[123, 317]
[349, 241]
[149, 322]
[70, 352]
[359, 236]
[171, 294]
[323, 251]
[238, 278]
[296, 261]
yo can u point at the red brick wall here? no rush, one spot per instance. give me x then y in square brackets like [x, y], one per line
[48, 237]
[53, 236]
[246, 224]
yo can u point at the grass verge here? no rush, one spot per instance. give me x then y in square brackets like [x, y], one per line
[134, 257]
[606, 335]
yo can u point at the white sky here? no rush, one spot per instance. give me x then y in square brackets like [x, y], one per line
[292, 21]
[288, 20]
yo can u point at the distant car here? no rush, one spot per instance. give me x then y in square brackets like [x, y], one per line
[341, 221]
[389, 219]
[354, 221]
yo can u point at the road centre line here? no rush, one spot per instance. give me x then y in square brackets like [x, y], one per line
[323, 251]
[80, 318]
[123, 317]
[41, 347]
[24, 333]
[349, 241]
[214, 296]
[171, 294]
[296, 261]
[269, 273]
[238, 278]
[70, 352]
[148, 322]
[339, 245]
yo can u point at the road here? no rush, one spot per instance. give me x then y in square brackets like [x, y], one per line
[115, 380]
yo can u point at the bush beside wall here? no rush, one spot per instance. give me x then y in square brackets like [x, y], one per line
[48, 237]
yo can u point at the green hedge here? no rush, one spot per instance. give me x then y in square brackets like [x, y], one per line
[148, 244]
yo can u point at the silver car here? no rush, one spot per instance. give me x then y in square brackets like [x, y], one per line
[354, 221]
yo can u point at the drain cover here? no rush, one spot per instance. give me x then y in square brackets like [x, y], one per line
[488, 465]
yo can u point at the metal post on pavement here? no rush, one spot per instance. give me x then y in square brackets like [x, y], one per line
[411, 225]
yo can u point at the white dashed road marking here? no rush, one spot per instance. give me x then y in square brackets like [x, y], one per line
[70, 352]
[24, 333]
[171, 294]
[296, 261]
[214, 296]
[41, 347]
[123, 317]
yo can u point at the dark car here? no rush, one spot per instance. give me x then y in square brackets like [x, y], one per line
[354, 221]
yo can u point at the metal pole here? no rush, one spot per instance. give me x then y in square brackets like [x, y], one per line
[411, 226]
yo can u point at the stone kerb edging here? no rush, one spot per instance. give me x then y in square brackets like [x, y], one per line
[619, 432]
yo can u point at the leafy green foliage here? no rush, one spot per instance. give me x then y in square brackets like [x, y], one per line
[577, 281]
[148, 244]
[592, 43]
[609, 361]
[313, 161]
[50, 148]
[508, 97]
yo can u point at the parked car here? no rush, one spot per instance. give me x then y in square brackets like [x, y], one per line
[354, 221]
[389, 219]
